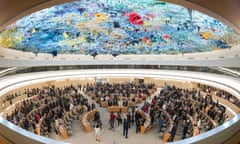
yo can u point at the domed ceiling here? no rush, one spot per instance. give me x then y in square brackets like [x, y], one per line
[118, 27]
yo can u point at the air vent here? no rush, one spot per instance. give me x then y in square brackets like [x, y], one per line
[206, 57]
[47, 58]
[236, 55]
[2, 56]
[221, 57]
[31, 58]
[79, 59]
[16, 57]
[143, 59]
[191, 58]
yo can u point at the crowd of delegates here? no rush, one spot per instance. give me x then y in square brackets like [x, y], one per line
[119, 93]
[220, 93]
[180, 104]
[184, 106]
[50, 103]
[127, 120]
[109, 92]
[9, 98]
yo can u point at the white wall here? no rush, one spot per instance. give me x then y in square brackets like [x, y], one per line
[225, 58]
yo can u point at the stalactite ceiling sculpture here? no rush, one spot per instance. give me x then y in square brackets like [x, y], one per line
[117, 27]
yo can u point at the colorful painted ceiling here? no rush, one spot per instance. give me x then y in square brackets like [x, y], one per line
[118, 27]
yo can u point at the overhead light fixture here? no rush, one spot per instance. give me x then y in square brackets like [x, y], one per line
[116, 53]
[94, 54]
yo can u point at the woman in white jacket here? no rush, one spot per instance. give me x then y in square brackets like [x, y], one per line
[97, 133]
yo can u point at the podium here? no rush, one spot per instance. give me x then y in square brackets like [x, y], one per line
[104, 104]
[117, 109]
[63, 131]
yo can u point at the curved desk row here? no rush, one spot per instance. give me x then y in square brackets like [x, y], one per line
[85, 119]
[166, 133]
[193, 129]
[67, 120]
[170, 121]
[223, 101]
[15, 100]
[62, 129]
[11, 108]
[147, 122]
[213, 123]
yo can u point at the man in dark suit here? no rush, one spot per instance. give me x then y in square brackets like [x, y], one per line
[173, 131]
[125, 128]
[129, 118]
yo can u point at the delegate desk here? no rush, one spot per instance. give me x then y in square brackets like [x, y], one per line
[117, 109]
[63, 131]
[170, 120]
[38, 129]
[7, 108]
[234, 107]
[85, 119]
[214, 124]
[39, 125]
[193, 131]
[18, 99]
[166, 134]
[63, 123]
[147, 121]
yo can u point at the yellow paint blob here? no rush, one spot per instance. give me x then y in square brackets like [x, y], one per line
[65, 35]
[205, 35]
[100, 16]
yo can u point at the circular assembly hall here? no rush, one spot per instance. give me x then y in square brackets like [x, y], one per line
[119, 72]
